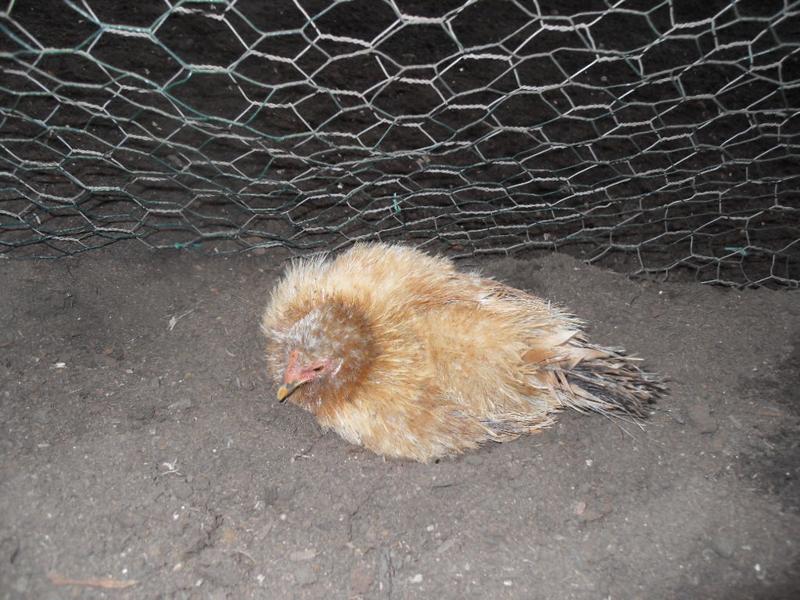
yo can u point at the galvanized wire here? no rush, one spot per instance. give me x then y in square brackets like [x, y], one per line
[650, 136]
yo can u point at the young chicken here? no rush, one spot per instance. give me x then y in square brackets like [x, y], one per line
[400, 352]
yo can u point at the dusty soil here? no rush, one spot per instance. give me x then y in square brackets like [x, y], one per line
[141, 442]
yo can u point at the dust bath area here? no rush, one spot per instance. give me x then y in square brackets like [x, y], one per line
[144, 454]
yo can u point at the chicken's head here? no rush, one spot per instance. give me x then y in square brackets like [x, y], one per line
[323, 355]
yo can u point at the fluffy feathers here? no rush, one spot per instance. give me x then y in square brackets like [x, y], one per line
[396, 350]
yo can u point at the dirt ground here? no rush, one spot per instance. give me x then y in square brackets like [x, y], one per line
[141, 442]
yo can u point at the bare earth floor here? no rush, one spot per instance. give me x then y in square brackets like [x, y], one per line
[141, 443]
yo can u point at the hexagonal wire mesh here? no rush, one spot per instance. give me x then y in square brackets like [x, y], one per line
[647, 135]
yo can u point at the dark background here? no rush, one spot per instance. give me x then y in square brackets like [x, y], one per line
[651, 137]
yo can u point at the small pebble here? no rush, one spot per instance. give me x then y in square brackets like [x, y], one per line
[180, 404]
[299, 555]
[722, 545]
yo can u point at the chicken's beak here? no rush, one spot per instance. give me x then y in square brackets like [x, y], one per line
[287, 389]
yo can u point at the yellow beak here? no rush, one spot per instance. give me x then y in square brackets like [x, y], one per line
[287, 389]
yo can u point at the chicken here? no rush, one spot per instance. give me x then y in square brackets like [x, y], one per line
[398, 351]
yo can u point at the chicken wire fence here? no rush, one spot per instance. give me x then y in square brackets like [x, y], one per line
[647, 135]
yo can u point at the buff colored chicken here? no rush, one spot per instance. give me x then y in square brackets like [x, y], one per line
[400, 352]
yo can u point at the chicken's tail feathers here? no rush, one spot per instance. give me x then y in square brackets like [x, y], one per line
[603, 380]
